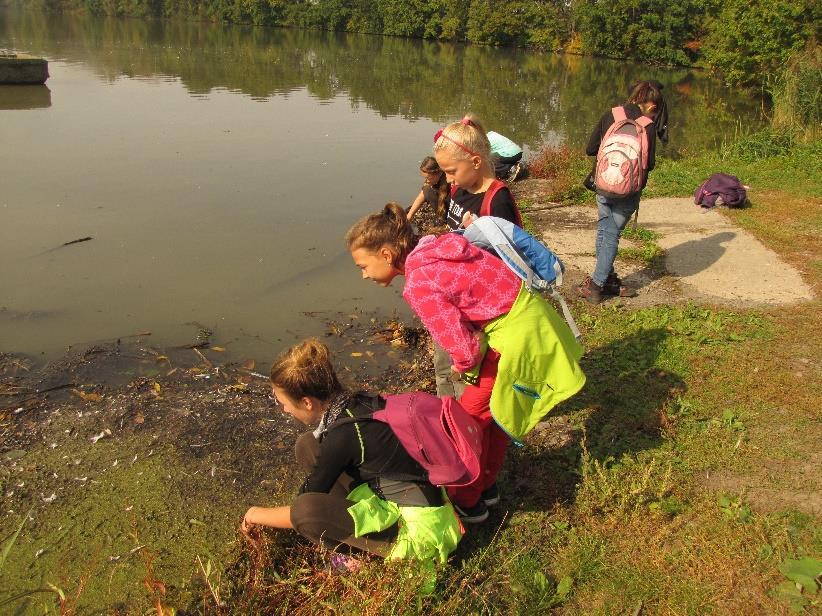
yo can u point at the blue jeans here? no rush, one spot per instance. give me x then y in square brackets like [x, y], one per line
[614, 214]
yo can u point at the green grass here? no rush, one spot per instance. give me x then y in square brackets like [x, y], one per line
[763, 161]
[672, 484]
[618, 517]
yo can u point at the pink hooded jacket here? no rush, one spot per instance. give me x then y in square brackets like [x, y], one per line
[456, 288]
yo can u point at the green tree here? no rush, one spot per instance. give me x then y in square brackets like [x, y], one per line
[655, 31]
[751, 39]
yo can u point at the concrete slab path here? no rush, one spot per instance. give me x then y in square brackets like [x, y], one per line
[706, 256]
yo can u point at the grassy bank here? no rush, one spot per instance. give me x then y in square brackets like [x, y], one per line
[682, 480]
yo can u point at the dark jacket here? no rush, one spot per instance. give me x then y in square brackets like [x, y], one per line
[368, 452]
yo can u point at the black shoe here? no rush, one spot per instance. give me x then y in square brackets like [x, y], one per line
[472, 515]
[613, 286]
[490, 496]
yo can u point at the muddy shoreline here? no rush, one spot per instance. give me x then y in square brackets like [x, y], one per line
[123, 452]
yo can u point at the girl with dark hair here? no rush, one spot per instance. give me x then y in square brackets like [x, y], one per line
[435, 189]
[645, 100]
[518, 353]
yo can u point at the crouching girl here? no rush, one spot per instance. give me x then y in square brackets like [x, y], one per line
[363, 489]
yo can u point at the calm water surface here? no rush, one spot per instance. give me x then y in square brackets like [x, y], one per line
[218, 167]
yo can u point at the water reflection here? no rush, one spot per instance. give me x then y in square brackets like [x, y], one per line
[523, 94]
[217, 168]
[24, 97]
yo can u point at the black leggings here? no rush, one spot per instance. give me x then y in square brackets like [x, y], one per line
[324, 518]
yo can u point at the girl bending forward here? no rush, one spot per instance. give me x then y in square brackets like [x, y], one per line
[524, 357]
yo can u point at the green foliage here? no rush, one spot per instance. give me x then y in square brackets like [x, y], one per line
[565, 167]
[768, 158]
[748, 40]
[648, 250]
[627, 486]
[518, 22]
[735, 509]
[652, 31]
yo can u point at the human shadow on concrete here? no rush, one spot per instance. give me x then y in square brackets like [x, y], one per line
[624, 400]
[694, 256]
[684, 259]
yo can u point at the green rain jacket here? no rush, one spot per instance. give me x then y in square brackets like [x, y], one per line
[538, 366]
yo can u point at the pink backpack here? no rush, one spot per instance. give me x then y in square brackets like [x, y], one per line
[622, 159]
[438, 433]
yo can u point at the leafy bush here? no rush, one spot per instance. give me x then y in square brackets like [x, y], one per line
[654, 31]
[566, 167]
[750, 39]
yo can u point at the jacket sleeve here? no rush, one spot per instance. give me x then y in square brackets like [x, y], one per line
[334, 457]
[443, 320]
[598, 133]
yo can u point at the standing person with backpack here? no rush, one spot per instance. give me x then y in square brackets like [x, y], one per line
[624, 142]
[519, 354]
[364, 489]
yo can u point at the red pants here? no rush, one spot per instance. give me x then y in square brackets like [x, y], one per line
[476, 400]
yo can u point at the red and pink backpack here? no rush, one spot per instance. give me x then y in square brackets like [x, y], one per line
[622, 159]
[438, 433]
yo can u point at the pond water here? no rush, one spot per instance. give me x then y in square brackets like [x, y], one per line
[217, 167]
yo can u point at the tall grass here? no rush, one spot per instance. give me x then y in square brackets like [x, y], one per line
[797, 95]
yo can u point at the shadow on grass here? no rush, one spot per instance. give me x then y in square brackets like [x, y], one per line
[620, 411]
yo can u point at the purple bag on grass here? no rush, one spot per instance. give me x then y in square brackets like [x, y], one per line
[722, 186]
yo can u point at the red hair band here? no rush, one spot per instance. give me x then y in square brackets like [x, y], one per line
[440, 133]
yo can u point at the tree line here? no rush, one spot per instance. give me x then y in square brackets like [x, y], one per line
[743, 40]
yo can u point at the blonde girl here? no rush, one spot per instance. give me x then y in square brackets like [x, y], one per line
[463, 152]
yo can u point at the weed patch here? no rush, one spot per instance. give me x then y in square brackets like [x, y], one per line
[566, 168]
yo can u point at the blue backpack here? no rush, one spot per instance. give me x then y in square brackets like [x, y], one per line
[526, 256]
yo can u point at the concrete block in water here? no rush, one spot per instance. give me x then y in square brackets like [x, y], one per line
[22, 68]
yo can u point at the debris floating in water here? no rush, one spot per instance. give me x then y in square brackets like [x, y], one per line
[97, 437]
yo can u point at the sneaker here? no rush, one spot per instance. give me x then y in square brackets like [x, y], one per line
[590, 291]
[472, 515]
[613, 286]
[514, 172]
[490, 496]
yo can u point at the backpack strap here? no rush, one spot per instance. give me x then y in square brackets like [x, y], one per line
[500, 242]
[502, 245]
[619, 114]
[566, 312]
[493, 189]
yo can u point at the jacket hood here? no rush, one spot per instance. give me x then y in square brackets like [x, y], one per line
[436, 249]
